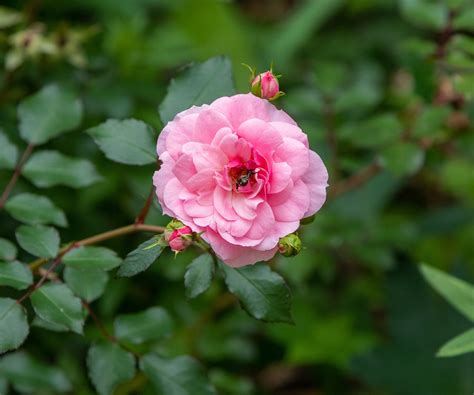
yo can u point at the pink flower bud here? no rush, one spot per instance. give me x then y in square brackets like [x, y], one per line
[265, 85]
[179, 239]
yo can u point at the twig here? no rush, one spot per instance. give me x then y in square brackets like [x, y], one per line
[101, 237]
[16, 175]
[356, 180]
[146, 207]
[46, 274]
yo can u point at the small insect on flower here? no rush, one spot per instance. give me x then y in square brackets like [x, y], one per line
[244, 179]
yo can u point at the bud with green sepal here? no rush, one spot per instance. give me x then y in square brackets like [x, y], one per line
[265, 85]
[290, 245]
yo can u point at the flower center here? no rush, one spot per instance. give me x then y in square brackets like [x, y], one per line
[242, 174]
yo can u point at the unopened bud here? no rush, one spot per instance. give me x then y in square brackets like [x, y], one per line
[290, 245]
[265, 85]
[178, 236]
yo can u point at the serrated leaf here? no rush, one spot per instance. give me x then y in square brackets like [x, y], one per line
[38, 240]
[262, 293]
[429, 123]
[48, 113]
[57, 304]
[86, 257]
[108, 366]
[140, 259]
[8, 250]
[459, 293]
[461, 344]
[181, 375]
[13, 325]
[197, 86]
[8, 152]
[198, 276]
[402, 159]
[15, 274]
[35, 209]
[151, 324]
[129, 141]
[31, 376]
[88, 284]
[49, 168]
[50, 326]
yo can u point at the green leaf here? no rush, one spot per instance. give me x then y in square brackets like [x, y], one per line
[425, 13]
[465, 19]
[57, 304]
[9, 17]
[151, 324]
[86, 257]
[109, 366]
[198, 275]
[48, 113]
[15, 274]
[13, 325]
[35, 209]
[8, 250]
[38, 240]
[88, 284]
[378, 131]
[130, 141]
[201, 83]
[176, 376]
[459, 293]
[402, 159]
[140, 259]
[461, 344]
[8, 153]
[49, 168]
[50, 326]
[262, 293]
[31, 376]
[430, 122]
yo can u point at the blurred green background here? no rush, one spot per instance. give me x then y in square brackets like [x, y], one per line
[384, 90]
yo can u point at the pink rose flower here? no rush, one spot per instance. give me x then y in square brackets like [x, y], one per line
[269, 87]
[179, 239]
[240, 171]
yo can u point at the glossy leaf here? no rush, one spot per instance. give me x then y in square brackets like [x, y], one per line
[176, 376]
[8, 250]
[8, 152]
[15, 274]
[199, 275]
[49, 168]
[201, 83]
[48, 113]
[130, 141]
[151, 324]
[57, 304]
[13, 325]
[38, 240]
[35, 209]
[461, 344]
[459, 293]
[88, 284]
[140, 259]
[30, 376]
[109, 365]
[87, 257]
[262, 293]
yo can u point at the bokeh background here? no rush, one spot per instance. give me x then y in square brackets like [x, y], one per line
[384, 90]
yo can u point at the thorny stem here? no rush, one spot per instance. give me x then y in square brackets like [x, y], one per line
[16, 174]
[134, 228]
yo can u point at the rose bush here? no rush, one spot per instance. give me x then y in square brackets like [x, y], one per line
[241, 172]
